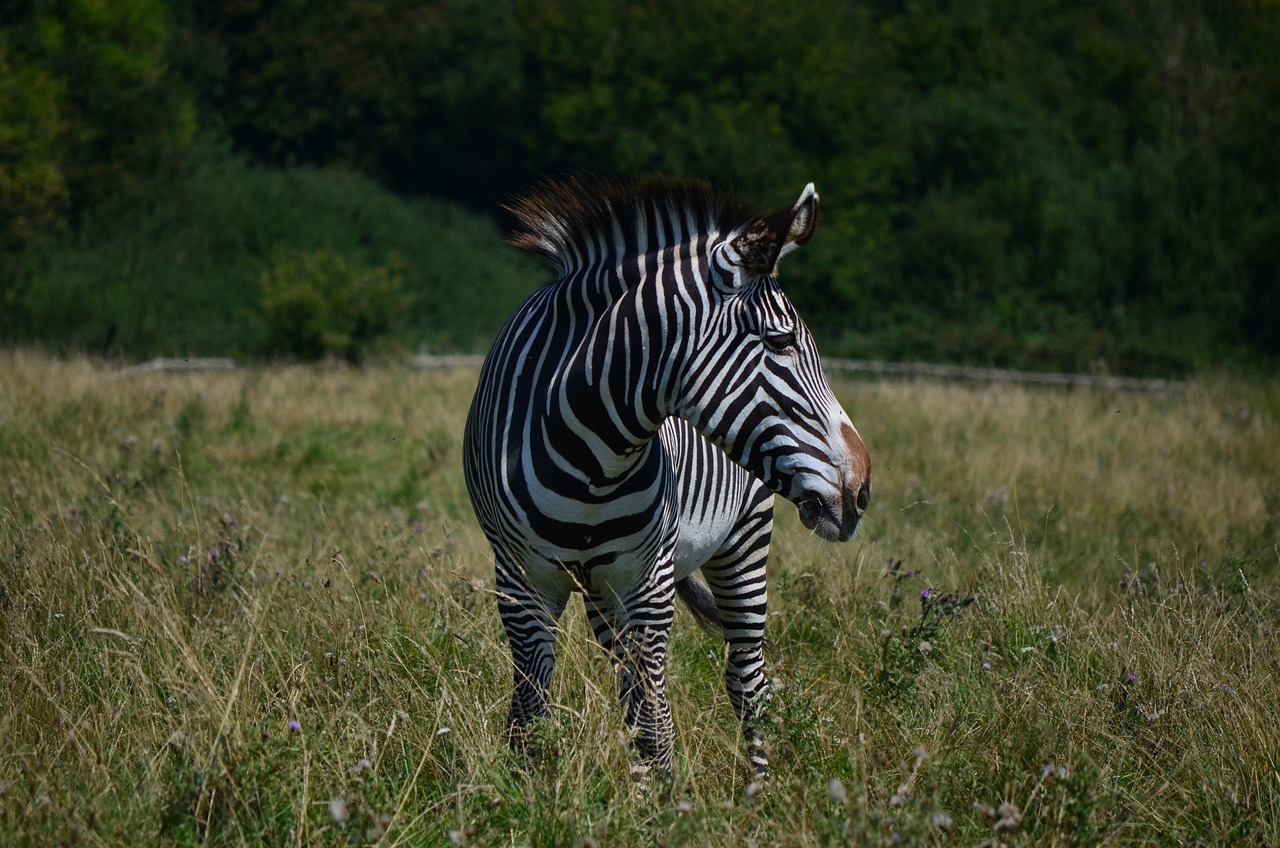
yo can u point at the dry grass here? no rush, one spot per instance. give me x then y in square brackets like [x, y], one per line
[190, 564]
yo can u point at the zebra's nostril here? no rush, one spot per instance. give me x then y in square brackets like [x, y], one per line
[864, 497]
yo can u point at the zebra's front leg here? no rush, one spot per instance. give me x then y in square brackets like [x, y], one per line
[635, 632]
[736, 577]
[529, 617]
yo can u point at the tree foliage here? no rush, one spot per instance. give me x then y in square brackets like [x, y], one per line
[1076, 186]
[88, 104]
[33, 188]
[403, 90]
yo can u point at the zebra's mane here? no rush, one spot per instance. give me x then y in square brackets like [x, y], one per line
[576, 223]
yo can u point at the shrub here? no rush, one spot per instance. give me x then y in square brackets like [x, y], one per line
[314, 303]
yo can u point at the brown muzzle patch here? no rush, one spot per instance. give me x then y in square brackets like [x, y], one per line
[858, 482]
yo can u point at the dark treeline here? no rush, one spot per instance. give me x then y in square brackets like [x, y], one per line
[1059, 185]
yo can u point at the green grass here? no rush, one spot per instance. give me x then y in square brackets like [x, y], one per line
[1098, 650]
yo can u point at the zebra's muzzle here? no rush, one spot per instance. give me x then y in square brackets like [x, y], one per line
[835, 516]
[826, 520]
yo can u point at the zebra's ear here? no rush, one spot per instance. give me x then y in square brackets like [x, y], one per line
[774, 236]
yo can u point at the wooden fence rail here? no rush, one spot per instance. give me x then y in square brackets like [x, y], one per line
[179, 364]
[842, 367]
[997, 375]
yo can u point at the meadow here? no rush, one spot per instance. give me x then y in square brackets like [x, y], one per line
[253, 607]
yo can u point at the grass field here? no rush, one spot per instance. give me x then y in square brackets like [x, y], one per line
[253, 607]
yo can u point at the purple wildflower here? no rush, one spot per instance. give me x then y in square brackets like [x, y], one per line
[294, 726]
[924, 593]
[986, 666]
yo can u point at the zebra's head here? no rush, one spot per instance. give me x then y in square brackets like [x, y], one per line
[753, 382]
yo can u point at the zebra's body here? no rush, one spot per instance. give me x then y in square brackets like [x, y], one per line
[585, 454]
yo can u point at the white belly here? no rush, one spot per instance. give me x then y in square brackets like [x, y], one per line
[700, 540]
[714, 496]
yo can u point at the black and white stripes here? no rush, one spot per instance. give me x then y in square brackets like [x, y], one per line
[630, 424]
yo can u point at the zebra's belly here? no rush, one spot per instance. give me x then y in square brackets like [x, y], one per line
[699, 540]
[715, 495]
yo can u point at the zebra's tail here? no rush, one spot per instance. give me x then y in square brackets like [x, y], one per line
[701, 603]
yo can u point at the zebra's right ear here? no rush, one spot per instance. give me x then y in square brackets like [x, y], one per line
[774, 236]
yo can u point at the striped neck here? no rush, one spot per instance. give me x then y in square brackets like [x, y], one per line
[633, 261]
[622, 376]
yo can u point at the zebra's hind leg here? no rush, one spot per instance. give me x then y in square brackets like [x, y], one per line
[635, 634]
[529, 618]
[736, 577]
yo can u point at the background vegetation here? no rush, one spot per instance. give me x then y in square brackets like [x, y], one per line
[253, 607]
[1071, 186]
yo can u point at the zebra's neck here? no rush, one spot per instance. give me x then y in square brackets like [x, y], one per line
[615, 332]
[620, 382]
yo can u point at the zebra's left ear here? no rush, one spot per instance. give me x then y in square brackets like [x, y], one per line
[773, 237]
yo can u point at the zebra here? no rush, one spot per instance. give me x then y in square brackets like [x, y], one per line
[631, 425]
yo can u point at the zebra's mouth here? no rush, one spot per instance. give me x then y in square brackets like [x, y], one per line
[835, 523]
[819, 517]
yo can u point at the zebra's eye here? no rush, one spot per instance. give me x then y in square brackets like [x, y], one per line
[780, 342]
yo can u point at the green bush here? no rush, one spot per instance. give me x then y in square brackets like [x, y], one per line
[314, 303]
[179, 270]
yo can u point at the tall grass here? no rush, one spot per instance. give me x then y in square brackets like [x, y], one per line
[253, 607]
